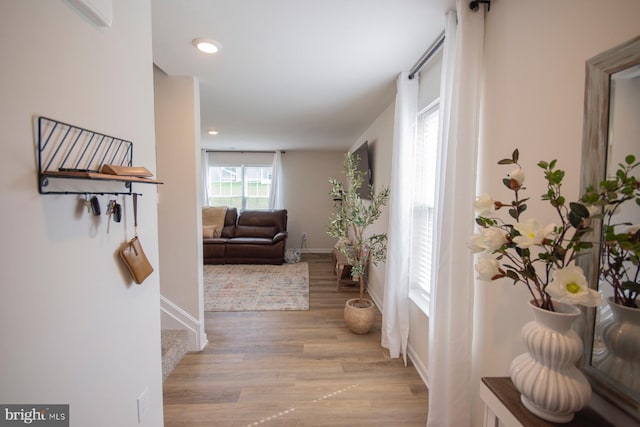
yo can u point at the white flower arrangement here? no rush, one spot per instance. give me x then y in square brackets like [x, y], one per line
[541, 257]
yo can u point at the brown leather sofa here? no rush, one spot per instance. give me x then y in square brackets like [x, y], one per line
[253, 237]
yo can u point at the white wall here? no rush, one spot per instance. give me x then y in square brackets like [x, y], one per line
[380, 138]
[535, 55]
[306, 196]
[177, 113]
[74, 328]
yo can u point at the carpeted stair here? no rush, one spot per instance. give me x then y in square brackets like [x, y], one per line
[174, 347]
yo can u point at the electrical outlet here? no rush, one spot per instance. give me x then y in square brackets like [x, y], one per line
[143, 403]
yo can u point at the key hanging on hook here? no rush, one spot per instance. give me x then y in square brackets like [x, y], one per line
[110, 208]
[95, 206]
[87, 203]
[117, 211]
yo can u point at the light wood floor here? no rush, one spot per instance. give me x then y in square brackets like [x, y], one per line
[294, 368]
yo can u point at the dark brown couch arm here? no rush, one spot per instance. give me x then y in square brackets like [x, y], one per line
[280, 236]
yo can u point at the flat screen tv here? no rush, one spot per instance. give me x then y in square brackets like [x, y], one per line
[364, 166]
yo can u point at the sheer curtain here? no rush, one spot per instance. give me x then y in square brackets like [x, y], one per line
[395, 313]
[275, 193]
[450, 324]
[204, 173]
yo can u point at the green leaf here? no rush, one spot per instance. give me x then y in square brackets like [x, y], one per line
[553, 164]
[513, 275]
[574, 219]
[515, 155]
[507, 183]
[630, 159]
[505, 162]
[543, 164]
[630, 286]
[579, 210]
[582, 245]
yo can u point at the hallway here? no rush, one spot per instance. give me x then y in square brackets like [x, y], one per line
[294, 368]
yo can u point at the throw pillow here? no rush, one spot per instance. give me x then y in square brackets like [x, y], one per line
[210, 231]
[214, 215]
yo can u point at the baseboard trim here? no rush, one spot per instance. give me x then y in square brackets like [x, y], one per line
[418, 364]
[316, 250]
[173, 317]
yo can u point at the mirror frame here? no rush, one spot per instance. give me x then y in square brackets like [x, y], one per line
[599, 70]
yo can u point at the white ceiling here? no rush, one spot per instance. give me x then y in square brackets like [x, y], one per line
[293, 74]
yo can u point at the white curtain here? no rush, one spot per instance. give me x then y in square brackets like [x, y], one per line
[275, 193]
[395, 313]
[450, 325]
[204, 173]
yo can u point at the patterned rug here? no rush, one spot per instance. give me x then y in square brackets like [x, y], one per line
[256, 287]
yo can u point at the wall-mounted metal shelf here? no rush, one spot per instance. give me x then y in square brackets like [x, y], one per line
[73, 153]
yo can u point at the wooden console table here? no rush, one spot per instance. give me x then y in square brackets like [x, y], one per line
[504, 409]
[342, 269]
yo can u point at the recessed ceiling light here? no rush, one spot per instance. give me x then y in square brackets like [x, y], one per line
[205, 45]
[213, 132]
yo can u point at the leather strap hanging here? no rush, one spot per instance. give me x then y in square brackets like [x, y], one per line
[132, 254]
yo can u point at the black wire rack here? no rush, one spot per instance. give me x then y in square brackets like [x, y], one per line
[66, 151]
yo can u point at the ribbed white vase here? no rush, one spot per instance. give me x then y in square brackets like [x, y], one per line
[549, 383]
[621, 337]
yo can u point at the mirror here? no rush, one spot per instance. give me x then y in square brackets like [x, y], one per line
[611, 131]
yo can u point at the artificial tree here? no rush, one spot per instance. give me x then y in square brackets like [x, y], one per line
[351, 218]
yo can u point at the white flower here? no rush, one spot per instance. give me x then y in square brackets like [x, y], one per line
[484, 204]
[570, 286]
[532, 233]
[549, 231]
[518, 176]
[487, 268]
[476, 243]
[493, 238]
[489, 239]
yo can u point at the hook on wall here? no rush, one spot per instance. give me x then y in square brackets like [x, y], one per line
[475, 4]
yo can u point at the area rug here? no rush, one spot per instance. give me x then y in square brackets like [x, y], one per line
[256, 287]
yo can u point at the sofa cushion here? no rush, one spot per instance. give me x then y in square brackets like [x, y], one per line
[214, 241]
[264, 218]
[250, 241]
[230, 223]
[251, 231]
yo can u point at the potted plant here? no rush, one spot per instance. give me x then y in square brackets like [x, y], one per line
[349, 223]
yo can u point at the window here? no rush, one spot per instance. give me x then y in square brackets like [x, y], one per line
[239, 186]
[423, 206]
